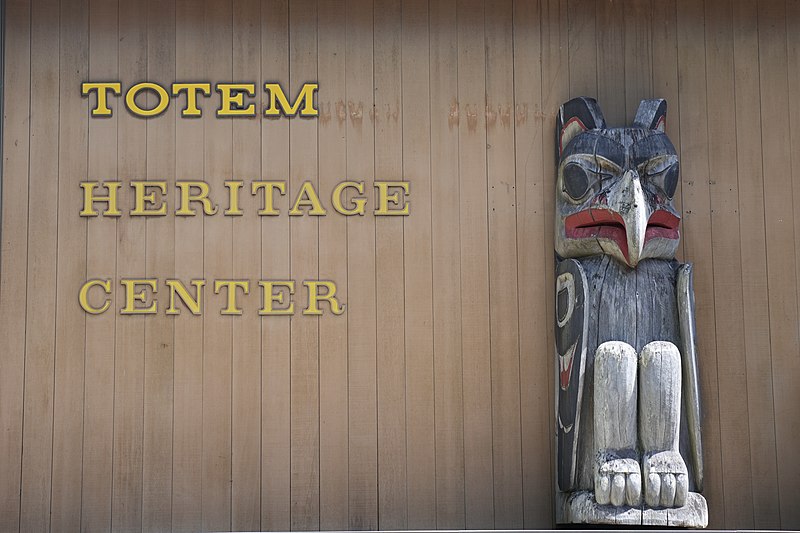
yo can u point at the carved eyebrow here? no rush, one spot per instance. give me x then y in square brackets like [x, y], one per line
[610, 149]
[652, 146]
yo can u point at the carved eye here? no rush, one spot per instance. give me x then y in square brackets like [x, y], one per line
[576, 180]
[665, 178]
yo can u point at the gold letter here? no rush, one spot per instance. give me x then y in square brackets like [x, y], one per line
[384, 198]
[270, 297]
[187, 198]
[311, 200]
[89, 198]
[142, 198]
[277, 96]
[231, 287]
[268, 187]
[191, 89]
[193, 304]
[131, 297]
[233, 197]
[163, 99]
[359, 202]
[233, 93]
[102, 88]
[314, 297]
[83, 296]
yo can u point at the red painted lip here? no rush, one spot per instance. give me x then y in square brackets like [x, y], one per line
[598, 223]
[662, 224]
[603, 223]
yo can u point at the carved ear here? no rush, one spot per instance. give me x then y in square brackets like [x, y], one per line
[574, 117]
[652, 115]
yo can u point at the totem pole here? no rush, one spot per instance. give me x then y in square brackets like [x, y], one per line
[627, 401]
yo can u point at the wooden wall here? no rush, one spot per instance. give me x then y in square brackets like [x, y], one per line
[429, 403]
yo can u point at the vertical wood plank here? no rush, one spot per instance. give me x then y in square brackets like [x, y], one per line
[421, 452]
[14, 253]
[65, 505]
[246, 365]
[304, 260]
[39, 329]
[503, 293]
[755, 297]
[537, 491]
[393, 489]
[478, 467]
[217, 38]
[781, 280]
[611, 60]
[333, 473]
[160, 264]
[583, 42]
[638, 55]
[724, 195]
[446, 238]
[275, 334]
[697, 236]
[101, 254]
[361, 324]
[126, 502]
[188, 361]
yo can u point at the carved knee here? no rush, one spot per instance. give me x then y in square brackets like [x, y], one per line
[615, 396]
[659, 396]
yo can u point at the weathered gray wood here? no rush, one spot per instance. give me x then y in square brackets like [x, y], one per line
[618, 477]
[690, 372]
[640, 459]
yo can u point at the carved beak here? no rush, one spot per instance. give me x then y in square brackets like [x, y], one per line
[629, 202]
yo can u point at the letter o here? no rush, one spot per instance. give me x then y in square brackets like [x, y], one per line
[163, 99]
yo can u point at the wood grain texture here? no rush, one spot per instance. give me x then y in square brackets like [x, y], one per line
[275, 242]
[724, 196]
[187, 360]
[98, 412]
[13, 256]
[333, 445]
[68, 395]
[446, 240]
[361, 287]
[159, 263]
[39, 328]
[781, 281]
[429, 403]
[474, 257]
[246, 243]
[393, 423]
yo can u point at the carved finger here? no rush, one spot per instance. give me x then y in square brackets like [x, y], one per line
[681, 489]
[652, 490]
[602, 489]
[668, 486]
[633, 491]
[618, 490]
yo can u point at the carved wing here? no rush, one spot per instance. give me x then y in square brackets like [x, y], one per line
[691, 388]
[570, 340]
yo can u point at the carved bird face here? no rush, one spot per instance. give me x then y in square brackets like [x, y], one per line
[615, 185]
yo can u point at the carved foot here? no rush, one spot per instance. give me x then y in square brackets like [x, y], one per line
[618, 482]
[666, 483]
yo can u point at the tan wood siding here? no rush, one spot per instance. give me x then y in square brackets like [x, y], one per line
[429, 403]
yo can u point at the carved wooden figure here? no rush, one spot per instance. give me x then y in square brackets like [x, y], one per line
[627, 406]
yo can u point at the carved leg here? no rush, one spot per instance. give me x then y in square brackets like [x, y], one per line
[618, 477]
[665, 478]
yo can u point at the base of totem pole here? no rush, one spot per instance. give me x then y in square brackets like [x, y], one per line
[581, 508]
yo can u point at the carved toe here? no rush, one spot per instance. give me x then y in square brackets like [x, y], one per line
[666, 480]
[618, 482]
